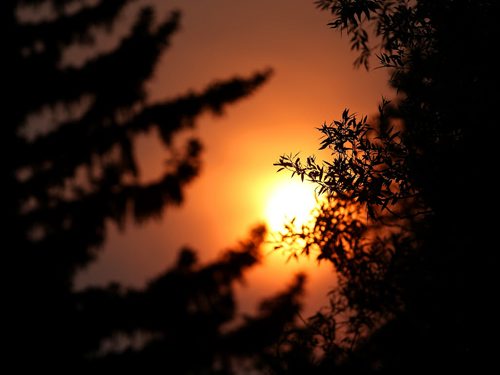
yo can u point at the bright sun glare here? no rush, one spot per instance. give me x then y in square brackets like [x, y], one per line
[290, 199]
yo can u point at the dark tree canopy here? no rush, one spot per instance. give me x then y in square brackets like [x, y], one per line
[66, 182]
[407, 221]
[83, 171]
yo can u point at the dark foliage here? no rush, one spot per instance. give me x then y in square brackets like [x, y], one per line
[178, 321]
[416, 266]
[64, 184]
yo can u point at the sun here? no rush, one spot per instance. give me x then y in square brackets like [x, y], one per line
[290, 199]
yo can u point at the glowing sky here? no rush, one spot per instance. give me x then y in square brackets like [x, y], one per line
[314, 81]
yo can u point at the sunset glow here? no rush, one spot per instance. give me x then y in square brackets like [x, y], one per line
[290, 199]
[238, 186]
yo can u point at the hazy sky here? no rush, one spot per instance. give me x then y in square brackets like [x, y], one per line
[314, 81]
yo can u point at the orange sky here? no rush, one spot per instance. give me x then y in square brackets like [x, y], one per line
[314, 81]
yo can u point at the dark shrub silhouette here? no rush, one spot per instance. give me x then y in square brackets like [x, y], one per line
[416, 265]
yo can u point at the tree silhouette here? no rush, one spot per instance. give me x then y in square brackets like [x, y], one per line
[405, 221]
[180, 318]
[66, 181]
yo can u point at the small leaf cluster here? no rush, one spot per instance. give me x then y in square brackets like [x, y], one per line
[368, 165]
